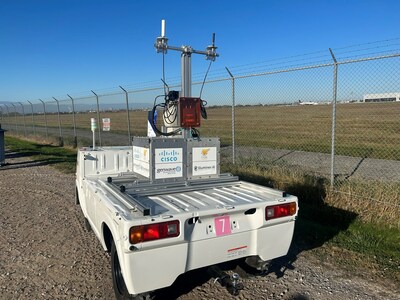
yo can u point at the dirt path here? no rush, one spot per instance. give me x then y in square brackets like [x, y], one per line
[46, 254]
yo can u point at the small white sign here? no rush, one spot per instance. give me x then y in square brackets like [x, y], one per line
[204, 168]
[106, 124]
[168, 163]
[171, 170]
[204, 153]
[141, 153]
[204, 161]
[141, 160]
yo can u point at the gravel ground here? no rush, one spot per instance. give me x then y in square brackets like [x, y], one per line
[46, 254]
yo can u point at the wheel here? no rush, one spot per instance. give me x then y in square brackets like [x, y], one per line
[85, 220]
[76, 196]
[121, 292]
[119, 286]
[87, 225]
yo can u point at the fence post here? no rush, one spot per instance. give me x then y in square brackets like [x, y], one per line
[335, 71]
[45, 119]
[75, 142]
[15, 116]
[127, 114]
[23, 116]
[98, 117]
[233, 116]
[33, 119]
[61, 140]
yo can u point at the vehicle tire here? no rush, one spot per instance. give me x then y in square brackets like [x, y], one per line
[121, 292]
[76, 196]
[87, 225]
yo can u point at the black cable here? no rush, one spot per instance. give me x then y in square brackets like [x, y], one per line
[151, 119]
[155, 99]
[170, 110]
[195, 133]
[163, 72]
[205, 77]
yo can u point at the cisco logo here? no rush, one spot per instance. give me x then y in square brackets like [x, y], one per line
[168, 156]
[169, 159]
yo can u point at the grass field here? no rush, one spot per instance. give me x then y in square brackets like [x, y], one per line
[362, 129]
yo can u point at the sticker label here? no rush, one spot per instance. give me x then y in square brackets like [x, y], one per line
[141, 153]
[141, 159]
[168, 155]
[168, 170]
[204, 161]
[204, 153]
[204, 168]
[168, 163]
[222, 225]
[237, 252]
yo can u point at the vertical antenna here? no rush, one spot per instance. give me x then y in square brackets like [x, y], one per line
[162, 28]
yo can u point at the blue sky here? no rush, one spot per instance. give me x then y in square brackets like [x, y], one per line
[54, 47]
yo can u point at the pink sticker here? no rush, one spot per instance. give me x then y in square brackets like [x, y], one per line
[222, 225]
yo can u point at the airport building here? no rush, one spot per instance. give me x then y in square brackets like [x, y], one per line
[385, 97]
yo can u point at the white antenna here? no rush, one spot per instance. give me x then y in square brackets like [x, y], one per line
[162, 28]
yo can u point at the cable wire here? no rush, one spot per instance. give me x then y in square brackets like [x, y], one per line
[205, 77]
[163, 72]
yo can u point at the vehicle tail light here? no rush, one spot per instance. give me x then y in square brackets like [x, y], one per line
[151, 232]
[280, 210]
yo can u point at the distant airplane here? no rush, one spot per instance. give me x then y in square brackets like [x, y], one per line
[307, 103]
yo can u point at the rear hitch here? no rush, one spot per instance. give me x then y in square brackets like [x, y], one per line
[231, 283]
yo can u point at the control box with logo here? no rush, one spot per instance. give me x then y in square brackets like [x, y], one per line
[175, 159]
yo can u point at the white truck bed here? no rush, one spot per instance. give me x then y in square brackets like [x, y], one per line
[219, 219]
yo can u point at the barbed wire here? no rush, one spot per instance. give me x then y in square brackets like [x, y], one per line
[273, 64]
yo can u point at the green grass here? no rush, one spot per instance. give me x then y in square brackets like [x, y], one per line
[379, 242]
[62, 159]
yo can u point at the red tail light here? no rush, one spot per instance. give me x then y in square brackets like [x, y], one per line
[280, 210]
[151, 232]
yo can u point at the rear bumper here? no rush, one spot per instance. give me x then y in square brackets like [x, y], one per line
[152, 269]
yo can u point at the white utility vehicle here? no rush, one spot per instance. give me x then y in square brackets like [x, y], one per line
[161, 207]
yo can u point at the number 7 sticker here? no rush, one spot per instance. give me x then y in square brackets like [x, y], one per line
[222, 225]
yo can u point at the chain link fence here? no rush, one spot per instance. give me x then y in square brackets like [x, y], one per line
[335, 119]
